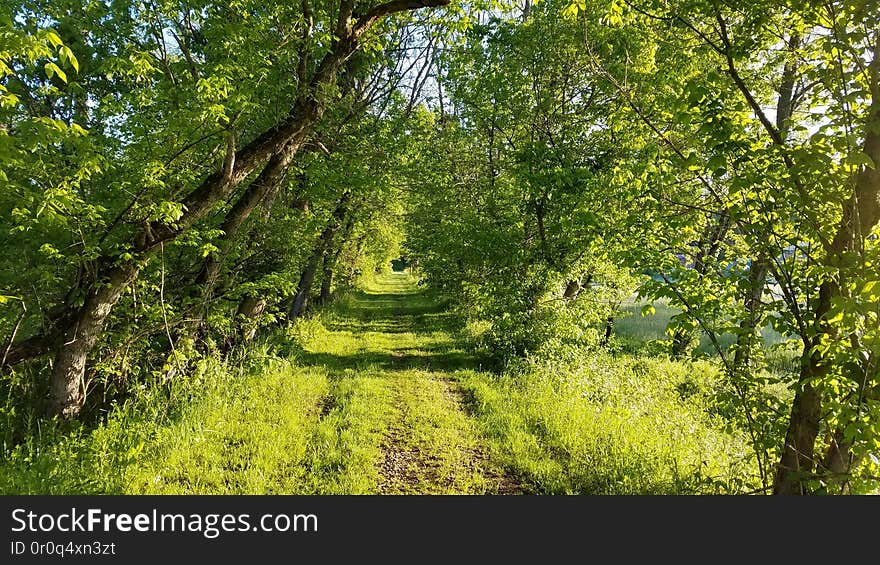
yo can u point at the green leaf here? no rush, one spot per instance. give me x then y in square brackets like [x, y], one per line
[52, 69]
[570, 11]
[8, 100]
[67, 53]
[861, 158]
[718, 165]
[648, 310]
[54, 39]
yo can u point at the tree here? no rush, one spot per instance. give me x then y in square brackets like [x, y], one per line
[320, 62]
[793, 188]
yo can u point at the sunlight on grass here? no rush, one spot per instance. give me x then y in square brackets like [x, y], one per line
[614, 427]
[379, 394]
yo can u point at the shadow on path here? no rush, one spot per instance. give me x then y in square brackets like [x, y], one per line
[398, 360]
[400, 328]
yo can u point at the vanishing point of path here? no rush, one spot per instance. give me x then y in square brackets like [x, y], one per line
[389, 350]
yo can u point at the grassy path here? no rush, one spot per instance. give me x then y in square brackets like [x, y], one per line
[365, 401]
[393, 367]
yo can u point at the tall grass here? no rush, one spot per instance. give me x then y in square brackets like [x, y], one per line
[152, 442]
[612, 425]
[636, 333]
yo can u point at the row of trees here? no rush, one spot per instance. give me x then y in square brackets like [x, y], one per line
[729, 151]
[176, 173]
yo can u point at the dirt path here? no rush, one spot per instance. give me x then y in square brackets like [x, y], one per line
[398, 343]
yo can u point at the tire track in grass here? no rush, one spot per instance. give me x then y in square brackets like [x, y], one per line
[394, 421]
[433, 446]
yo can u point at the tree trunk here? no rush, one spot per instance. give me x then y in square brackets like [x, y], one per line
[307, 278]
[709, 245]
[268, 182]
[248, 309]
[68, 388]
[838, 458]
[796, 463]
[330, 261]
[327, 268]
[609, 331]
[861, 213]
[326, 282]
[747, 338]
[304, 287]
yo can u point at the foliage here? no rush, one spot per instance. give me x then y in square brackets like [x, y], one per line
[179, 179]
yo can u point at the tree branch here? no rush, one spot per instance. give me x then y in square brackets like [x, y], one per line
[366, 22]
[741, 85]
[302, 66]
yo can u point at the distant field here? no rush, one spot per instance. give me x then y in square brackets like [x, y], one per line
[634, 328]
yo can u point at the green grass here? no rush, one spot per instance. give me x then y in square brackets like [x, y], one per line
[393, 422]
[249, 437]
[379, 394]
[637, 331]
[235, 430]
[357, 400]
[614, 425]
[632, 325]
